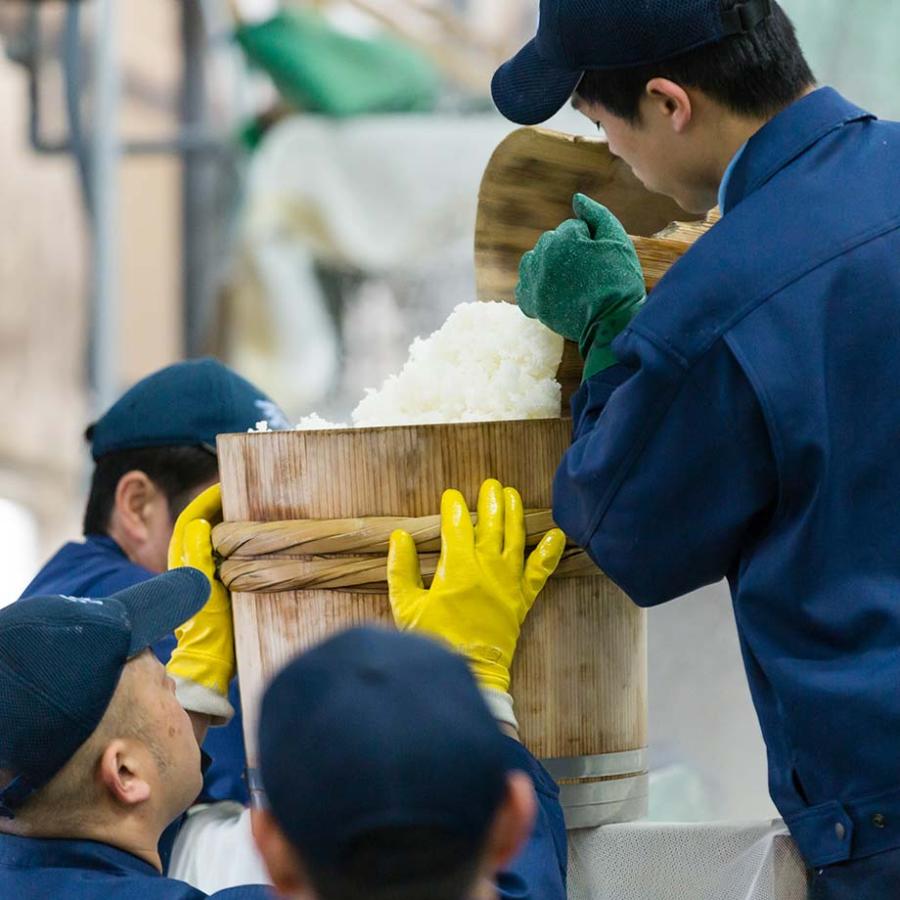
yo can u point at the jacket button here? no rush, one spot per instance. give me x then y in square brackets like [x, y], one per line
[839, 830]
[879, 821]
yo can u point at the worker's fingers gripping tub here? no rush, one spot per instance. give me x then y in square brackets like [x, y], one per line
[483, 587]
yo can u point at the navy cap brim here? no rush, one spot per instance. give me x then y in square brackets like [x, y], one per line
[158, 606]
[528, 90]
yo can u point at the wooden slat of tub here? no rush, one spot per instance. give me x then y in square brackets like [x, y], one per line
[579, 680]
[402, 472]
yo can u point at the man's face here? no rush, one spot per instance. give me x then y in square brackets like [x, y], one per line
[168, 732]
[663, 160]
[160, 523]
[153, 555]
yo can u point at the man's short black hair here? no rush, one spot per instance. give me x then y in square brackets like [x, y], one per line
[401, 864]
[176, 471]
[754, 75]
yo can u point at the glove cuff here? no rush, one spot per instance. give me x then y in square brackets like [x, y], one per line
[598, 359]
[197, 698]
[501, 706]
[596, 344]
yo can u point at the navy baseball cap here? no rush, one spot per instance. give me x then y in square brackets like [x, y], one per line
[376, 729]
[576, 35]
[60, 663]
[186, 404]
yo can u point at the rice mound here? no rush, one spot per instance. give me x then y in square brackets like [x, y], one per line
[488, 362]
[314, 422]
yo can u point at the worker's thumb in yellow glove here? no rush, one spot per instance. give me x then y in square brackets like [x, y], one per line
[206, 505]
[543, 561]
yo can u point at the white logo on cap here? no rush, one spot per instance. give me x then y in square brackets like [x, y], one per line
[273, 415]
[82, 600]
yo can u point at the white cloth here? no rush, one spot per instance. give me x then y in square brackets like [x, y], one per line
[637, 861]
[501, 706]
[198, 698]
[214, 849]
[718, 861]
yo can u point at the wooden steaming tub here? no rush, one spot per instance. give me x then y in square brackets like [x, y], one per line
[308, 514]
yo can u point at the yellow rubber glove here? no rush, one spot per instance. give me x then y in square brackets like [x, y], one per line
[483, 587]
[203, 664]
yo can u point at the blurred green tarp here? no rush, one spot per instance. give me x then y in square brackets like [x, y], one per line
[319, 69]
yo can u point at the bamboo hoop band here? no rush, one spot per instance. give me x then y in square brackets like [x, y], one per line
[335, 554]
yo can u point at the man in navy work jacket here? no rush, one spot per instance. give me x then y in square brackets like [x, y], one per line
[420, 795]
[154, 450]
[743, 421]
[97, 755]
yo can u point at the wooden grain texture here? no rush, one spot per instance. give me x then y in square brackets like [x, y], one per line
[391, 471]
[527, 189]
[580, 675]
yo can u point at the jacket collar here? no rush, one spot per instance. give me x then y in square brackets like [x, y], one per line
[781, 140]
[40, 853]
[104, 540]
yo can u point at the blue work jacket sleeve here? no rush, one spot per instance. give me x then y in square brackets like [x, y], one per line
[538, 872]
[670, 470]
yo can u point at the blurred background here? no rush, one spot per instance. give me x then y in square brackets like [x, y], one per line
[292, 187]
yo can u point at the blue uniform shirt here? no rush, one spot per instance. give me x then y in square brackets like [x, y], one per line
[98, 567]
[751, 432]
[539, 870]
[32, 869]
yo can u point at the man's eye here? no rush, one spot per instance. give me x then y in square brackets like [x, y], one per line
[599, 128]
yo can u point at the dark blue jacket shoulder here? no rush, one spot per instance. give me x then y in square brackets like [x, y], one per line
[32, 869]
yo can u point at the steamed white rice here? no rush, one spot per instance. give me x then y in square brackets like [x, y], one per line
[487, 362]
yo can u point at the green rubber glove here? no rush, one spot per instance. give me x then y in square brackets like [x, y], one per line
[320, 69]
[584, 281]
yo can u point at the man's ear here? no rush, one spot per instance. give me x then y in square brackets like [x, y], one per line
[513, 822]
[121, 774]
[136, 495]
[282, 862]
[670, 101]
